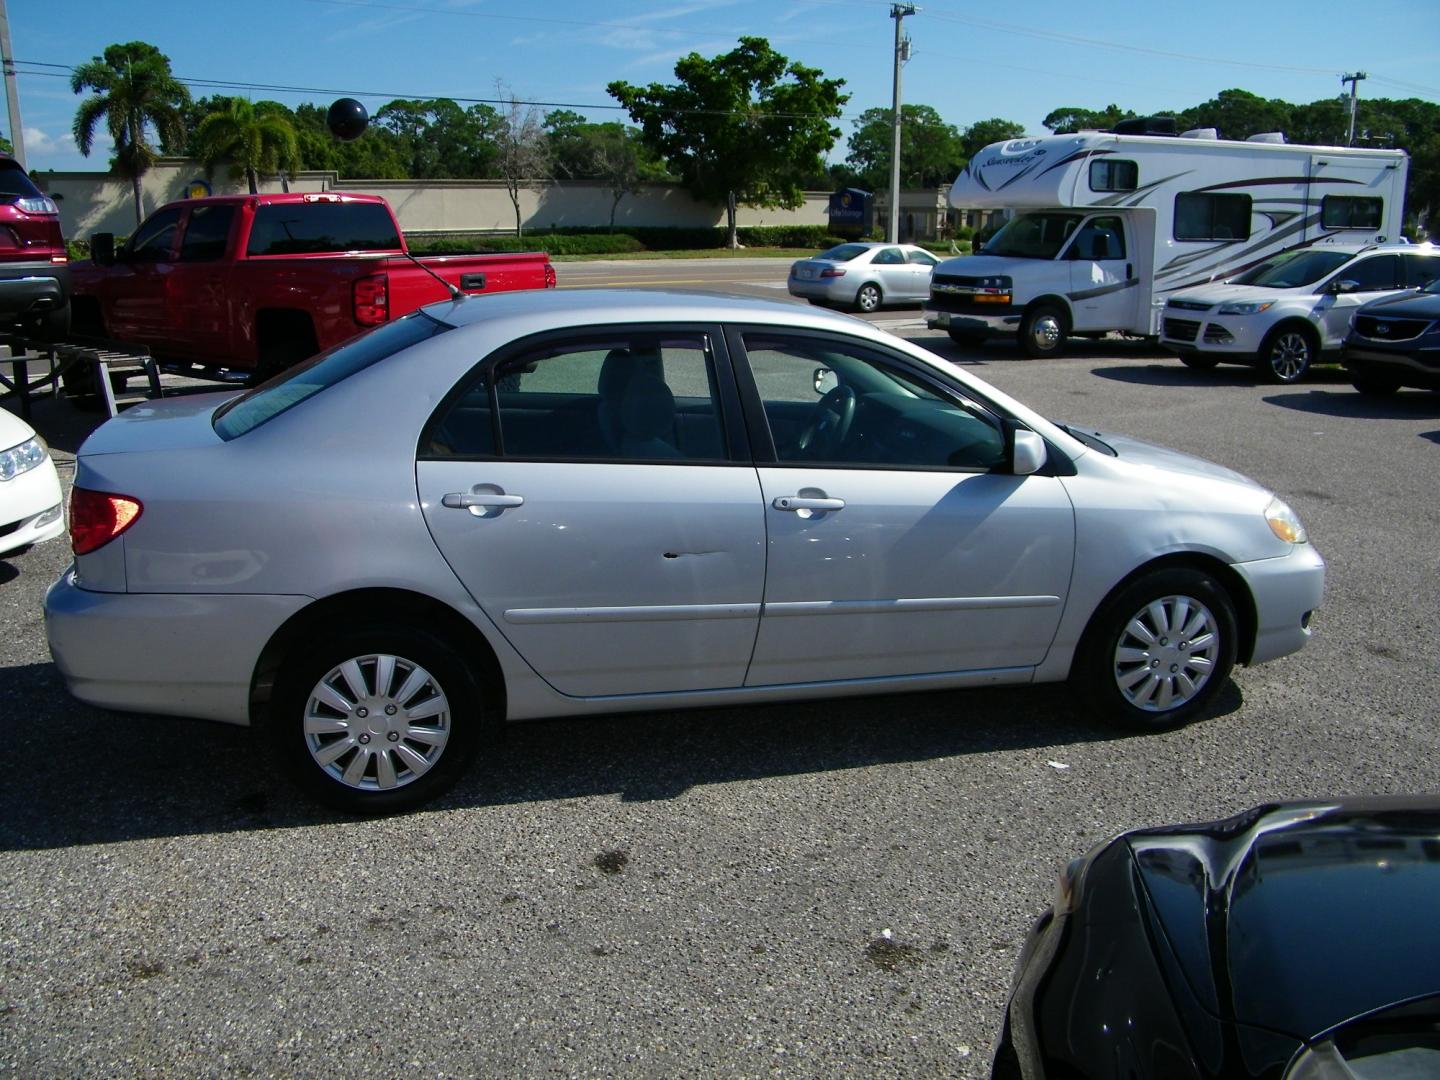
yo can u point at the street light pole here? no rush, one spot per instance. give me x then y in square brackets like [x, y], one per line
[902, 53]
[12, 91]
[1354, 81]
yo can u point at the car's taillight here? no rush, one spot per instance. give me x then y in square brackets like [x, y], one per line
[372, 300]
[550, 275]
[97, 517]
[832, 272]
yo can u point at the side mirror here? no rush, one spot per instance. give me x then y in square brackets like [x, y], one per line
[102, 248]
[1028, 454]
[1344, 286]
[824, 381]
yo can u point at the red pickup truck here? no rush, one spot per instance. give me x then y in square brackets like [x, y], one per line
[259, 282]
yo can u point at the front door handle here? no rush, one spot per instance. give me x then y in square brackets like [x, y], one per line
[483, 500]
[807, 502]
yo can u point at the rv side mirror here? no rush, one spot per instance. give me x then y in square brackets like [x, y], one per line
[102, 248]
[1027, 456]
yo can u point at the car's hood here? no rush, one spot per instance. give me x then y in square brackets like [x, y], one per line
[13, 430]
[166, 424]
[1300, 916]
[1221, 292]
[1409, 305]
[1138, 452]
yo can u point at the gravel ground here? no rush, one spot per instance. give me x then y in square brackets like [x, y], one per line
[798, 890]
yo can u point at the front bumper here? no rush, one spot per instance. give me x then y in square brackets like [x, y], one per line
[175, 654]
[31, 288]
[1004, 320]
[1411, 367]
[1192, 333]
[1286, 592]
[30, 508]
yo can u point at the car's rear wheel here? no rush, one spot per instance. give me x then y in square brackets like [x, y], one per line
[1288, 353]
[1198, 363]
[1159, 650]
[376, 719]
[868, 298]
[1374, 385]
[1043, 332]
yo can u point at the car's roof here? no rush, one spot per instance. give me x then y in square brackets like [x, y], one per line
[636, 305]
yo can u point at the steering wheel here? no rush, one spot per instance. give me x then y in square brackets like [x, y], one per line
[829, 424]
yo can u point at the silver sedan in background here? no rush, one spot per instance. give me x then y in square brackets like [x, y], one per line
[541, 504]
[864, 276]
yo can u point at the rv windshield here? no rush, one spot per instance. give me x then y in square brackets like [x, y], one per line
[1033, 236]
[1292, 269]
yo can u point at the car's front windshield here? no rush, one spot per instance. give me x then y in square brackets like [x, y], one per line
[1033, 236]
[1292, 269]
[843, 252]
[1433, 286]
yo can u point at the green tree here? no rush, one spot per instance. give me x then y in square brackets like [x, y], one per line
[1072, 118]
[375, 155]
[746, 127]
[930, 150]
[524, 152]
[134, 91]
[443, 141]
[253, 139]
[984, 132]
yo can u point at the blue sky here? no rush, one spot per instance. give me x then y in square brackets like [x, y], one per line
[1017, 61]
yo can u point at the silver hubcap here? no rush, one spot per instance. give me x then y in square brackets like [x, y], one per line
[869, 299]
[1166, 653]
[1045, 331]
[1290, 356]
[377, 722]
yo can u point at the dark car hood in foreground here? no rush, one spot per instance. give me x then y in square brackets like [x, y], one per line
[1301, 916]
[1410, 305]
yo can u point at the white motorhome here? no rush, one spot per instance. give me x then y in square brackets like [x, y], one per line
[1108, 225]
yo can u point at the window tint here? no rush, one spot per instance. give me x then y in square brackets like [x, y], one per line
[888, 257]
[1101, 238]
[304, 228]
[1421, 270]
[291, 387]
[636, 397]
[1110, 175]
[154, 239]
[1376, 272]
[206, 233]
[843, 252]
[13, 181]
[839, 404]
[922, 258]
[1212, 217]
[1351, 212]
[1291, 269]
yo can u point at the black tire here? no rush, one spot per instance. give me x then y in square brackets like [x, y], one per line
[1372, 385]
[356, 735]
[1127, 690]
[51, 325]
[1288, 354]
[869, 298]
[818, 302]
[1198, 363]
[968, 338]
[1043, 332]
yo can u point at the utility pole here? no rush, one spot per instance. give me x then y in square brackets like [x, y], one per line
[12, 92]
[902, 54]
[1354, 81]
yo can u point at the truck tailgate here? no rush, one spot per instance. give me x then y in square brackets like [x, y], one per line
[411, 287]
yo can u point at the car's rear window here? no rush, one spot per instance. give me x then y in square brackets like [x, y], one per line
[316, 228]
[296, 384]
[843, 253]
[13, 181]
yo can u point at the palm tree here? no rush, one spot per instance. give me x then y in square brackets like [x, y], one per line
[134, 88]
[255, 141]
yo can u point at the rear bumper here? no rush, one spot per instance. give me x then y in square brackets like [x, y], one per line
[32, 288]
[1286, 591]
[174, 654]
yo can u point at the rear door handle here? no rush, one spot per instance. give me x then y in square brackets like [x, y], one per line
[806, 502]
[484, 500]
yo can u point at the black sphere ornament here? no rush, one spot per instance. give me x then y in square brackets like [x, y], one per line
[347, 119]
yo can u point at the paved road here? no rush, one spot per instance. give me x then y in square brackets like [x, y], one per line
[697, 894]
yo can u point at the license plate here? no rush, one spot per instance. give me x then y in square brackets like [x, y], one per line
[807, 273]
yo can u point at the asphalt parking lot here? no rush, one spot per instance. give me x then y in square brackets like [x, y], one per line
[798, 890]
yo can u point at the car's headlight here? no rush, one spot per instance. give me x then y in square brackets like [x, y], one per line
[1245, 307]
[1284, 522]
[22, 458]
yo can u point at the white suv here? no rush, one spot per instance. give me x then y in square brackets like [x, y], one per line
[1286, 313]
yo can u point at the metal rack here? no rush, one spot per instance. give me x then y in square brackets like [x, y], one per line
[112, 365]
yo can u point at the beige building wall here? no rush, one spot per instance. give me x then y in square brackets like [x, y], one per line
[92, 202]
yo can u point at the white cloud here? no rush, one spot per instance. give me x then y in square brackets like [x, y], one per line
[37, 142]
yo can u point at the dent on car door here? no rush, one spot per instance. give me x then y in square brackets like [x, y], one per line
[583, 489]
[898, 542]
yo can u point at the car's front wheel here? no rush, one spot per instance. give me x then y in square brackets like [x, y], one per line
[1043, 332]
[1288, 353]
[1158, 650]
[376, 719]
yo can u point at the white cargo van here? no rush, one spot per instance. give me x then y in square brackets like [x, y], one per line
[1108, 225]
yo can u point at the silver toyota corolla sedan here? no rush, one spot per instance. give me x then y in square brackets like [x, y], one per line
[864, 275]
[538, 504]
